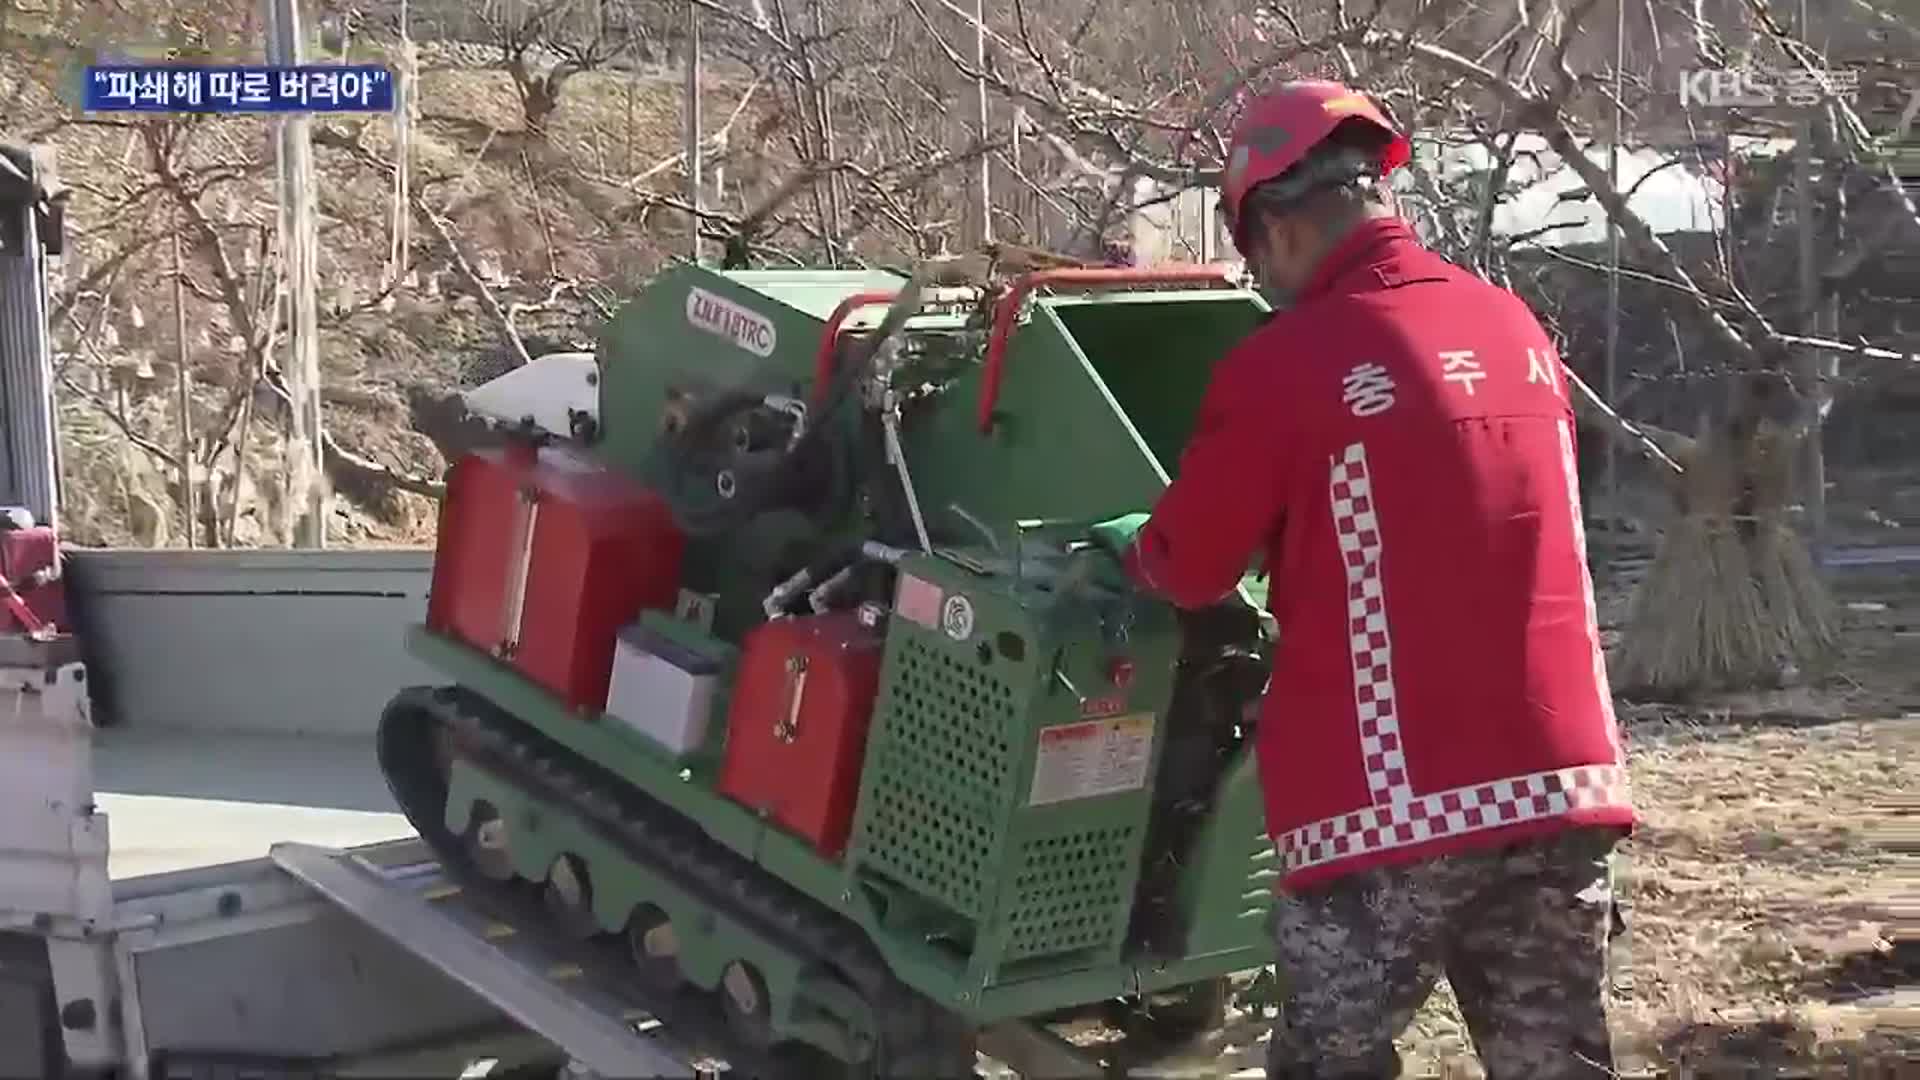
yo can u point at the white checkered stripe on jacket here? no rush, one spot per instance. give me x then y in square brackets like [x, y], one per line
[1399, 816]
[1447, 813]
[1358, 530]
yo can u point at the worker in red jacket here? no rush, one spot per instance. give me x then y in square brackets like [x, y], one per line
[1444, 777]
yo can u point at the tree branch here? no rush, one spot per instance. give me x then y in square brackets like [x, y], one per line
[324, 135]
[1543, 113]
[339, 457]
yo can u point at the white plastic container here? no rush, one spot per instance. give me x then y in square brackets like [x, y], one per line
[662, 689]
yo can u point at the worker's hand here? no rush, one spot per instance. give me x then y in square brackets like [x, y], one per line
[1116, 534]
[1094, 570]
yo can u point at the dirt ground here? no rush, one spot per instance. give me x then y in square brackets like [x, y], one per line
[1769, 932]
[1765, 936]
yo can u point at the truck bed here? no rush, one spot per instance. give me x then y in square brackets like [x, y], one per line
[177, 800]
[197, 818]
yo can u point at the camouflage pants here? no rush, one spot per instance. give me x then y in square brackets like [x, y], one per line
[1520, 933]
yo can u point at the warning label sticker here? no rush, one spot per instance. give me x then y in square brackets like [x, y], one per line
[918, 600]
[1093, 757]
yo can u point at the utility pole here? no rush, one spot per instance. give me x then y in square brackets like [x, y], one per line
[307, 496]
[980, 91]
[695, 197]
[1611, 375]
[399, 254]
[183, 385]
[823, 107]
[1029, 218]
[1812, 453]
[1813, 464]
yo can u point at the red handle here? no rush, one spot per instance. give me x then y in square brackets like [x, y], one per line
[830, 337]
[35, 626]
[1007, 310]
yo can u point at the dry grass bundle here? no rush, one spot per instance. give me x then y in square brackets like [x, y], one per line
[1698, 621]
[1800, 611]
[1732, 600]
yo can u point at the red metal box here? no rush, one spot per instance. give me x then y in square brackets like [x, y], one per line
[543, 558]
[797, 724]
[30, 562]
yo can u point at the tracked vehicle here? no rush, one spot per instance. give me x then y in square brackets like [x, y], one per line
[790, 677]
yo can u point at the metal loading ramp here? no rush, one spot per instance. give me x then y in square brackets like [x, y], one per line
[561, 991]
[538, 980]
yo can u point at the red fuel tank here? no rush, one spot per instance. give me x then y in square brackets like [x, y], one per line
[543, 557]
[797, 724]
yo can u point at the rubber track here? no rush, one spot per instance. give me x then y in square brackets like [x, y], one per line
[918, 1038]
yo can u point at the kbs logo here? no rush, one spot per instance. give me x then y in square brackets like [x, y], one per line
[1726, 88]
[1753, 88]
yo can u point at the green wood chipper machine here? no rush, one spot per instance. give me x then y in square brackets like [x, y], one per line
[791, 681]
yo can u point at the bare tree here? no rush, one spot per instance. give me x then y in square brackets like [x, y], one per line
[1733, 599]
[544, 44]
[847, 134]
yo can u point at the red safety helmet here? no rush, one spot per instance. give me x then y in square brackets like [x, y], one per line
[1278, 128]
